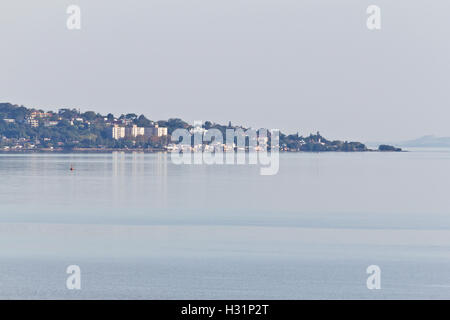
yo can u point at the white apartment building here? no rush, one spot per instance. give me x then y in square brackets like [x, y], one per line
[161, 131]
[156, 131]
[117, 132]
[134, 131]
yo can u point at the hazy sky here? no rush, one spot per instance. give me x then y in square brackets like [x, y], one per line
[289, 64]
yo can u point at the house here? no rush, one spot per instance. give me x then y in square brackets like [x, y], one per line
[51, 123]
[32, 122]
[38, 114]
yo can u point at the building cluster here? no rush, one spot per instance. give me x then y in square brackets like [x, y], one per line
[34, 117]
[89, 129]
[245, 142]
[119, 128]
[47, 119]
[122, 132]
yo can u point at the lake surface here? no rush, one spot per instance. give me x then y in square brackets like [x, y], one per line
[141, 227]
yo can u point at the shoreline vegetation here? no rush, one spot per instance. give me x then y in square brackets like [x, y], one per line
[148, 150]
[24, 130]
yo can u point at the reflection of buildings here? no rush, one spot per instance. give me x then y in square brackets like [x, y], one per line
[119, 132]
[137, 173]
[118, 164]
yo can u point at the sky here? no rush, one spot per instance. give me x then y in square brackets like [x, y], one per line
[299, 66]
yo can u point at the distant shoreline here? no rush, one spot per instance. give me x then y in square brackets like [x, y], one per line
[94, 150]
[68, 130]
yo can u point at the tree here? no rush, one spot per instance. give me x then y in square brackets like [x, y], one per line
[89, 115]
[142, 121]
[131, 116]
[208, 125]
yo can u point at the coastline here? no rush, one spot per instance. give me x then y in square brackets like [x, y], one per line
[140, 150]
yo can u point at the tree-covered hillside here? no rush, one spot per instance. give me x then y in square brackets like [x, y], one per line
[23, 128]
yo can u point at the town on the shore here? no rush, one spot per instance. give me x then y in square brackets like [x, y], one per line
[32, 129]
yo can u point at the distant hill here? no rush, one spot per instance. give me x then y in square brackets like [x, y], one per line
[429, 141]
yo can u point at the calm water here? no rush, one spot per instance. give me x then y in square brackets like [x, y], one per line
[141, 227]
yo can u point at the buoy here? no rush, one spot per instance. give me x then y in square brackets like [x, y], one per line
[71, 168]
